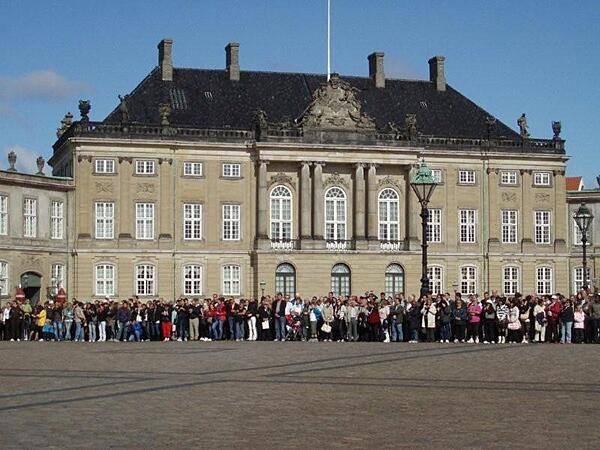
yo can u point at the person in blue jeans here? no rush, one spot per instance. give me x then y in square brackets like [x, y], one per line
[279, 314]
[567, 316]
[396, 320]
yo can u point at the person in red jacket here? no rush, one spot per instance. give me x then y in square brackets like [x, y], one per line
[552, 315]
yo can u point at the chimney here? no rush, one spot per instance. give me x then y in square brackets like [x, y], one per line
[165, 60]
[232, 61]
[436, 73]
[376, 69]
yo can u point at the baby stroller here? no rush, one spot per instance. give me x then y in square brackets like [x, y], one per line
[294, 328]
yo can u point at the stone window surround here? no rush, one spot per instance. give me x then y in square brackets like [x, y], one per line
[202, 278]
[143, 175]
[51, 200]
[222, 176]
[510, 185]
[543, 186]
[202, 221]
[115, 172]
[37, 216]
[195, 177]
[241, 230]
[462, 183]
[222, 276]
[115, 215]
[5, 194]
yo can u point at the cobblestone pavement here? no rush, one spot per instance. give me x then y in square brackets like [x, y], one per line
[298, 395]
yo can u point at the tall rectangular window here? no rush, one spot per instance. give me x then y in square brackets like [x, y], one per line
[192, 169]
[231, 170]
[468, 280]
[105, 280]
[436, 280]
[58, 275]
[542, 227]
[543, 280]
[104, 166]
[145, 279]
[3, 278]
[231, 280]
[57, 220]
[105, 220]
[144, 167]
[30, 217]
[3, 215]
[578, 278]
[467, 226]
[434, 225]
[231, 222]
[466, 177]
[509, 226]
[192, 221]
[510, 280]
[144, 220]
[192, 279]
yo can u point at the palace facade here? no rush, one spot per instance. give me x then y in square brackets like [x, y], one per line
[238, 182]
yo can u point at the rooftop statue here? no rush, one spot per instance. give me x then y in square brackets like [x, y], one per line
[523, 127]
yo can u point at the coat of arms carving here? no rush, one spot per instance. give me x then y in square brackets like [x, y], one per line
[145, 188]
[103, 187]
[335, 107]
[509, 196]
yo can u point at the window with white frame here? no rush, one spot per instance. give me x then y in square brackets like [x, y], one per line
[3, 215]
[105, 279]
[436, 279]
[509, 226]
[543, 280]
[542, 178]
[579, 279]
[578, 235]
[231, 222]
[104, 166]
[389, 207]
[231, 170]
[58, 275]
[144, 167]
[192, 279]
[281, 213]
[231, 280]
[144, 220]
[466, 177]
[434, 225]
[30, 217]
[508, 177]
[145, 279]
[192, 221]
[341, 280]
[542, 227]
[105, 220]
[192, 169]
[57, 219]
[3, 278]
[468, 280]
[467, 220]
[335, 214]
[510, 280]
[394, 280]
[437, 175]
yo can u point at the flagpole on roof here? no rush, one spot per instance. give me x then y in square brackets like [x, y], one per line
[328, 39]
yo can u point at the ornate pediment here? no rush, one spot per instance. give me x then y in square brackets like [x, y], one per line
[281, 178]
[389, 182]
[335, 107]
[335, 179]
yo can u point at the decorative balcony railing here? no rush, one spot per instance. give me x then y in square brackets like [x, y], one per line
[390, 246]
[284, 244]
[339, 245]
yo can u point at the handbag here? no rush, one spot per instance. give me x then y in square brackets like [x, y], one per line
[326, 328]
[265, 324]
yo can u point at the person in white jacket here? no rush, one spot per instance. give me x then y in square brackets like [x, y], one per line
[428, 313]
[539, 314]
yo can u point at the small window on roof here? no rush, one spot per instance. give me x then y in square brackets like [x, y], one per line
[178, 100]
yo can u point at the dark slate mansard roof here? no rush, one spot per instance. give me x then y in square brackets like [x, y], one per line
[203, 98]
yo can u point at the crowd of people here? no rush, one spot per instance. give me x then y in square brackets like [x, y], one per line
[444, 318]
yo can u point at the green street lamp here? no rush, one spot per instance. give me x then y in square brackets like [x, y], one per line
[423, 184]
[583, 219]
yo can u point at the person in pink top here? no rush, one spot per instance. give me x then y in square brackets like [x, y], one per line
[578, 325]
[474, 310]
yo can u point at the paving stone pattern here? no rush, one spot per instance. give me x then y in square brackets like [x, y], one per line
[298, 395]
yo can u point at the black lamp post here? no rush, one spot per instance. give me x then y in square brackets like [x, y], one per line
[423, 183]
[583, 219]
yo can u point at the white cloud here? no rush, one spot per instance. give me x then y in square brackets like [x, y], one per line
[25, 159]
[42, 85]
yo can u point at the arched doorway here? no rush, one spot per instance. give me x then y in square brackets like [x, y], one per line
[285, 279]
[31, 283]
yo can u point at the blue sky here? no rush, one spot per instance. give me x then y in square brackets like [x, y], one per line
[538, 57]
